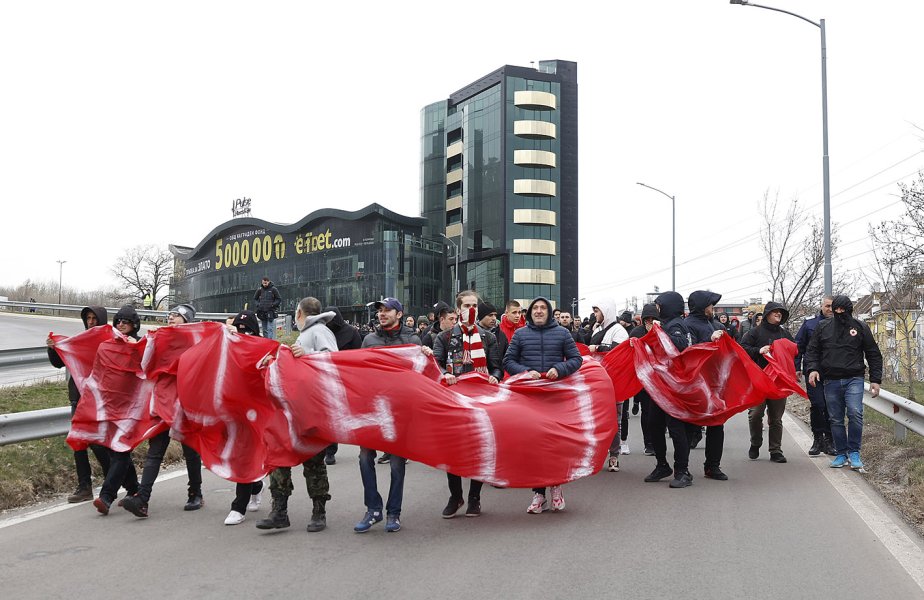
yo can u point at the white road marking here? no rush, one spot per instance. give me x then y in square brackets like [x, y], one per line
[908, 554]
[44, 512]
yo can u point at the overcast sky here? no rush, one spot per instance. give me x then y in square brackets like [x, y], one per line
[134, 123]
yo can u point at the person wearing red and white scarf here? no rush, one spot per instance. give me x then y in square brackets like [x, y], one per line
[466, 348]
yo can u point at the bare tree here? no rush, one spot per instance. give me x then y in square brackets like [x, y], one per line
[145, 269]
[902, 241]
[794, 253]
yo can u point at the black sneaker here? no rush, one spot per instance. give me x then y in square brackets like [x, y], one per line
[195, 502]
[753, 452]
[330, 459]
[386, 457]
[649, 450]
[452, 507]
[715, 473]
[136, 506]
[474, 508]
[777, 457]
[682, 480]
[635, 406]
[659, 473]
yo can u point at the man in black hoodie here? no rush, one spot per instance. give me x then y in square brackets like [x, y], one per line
[756, 342]
[670, 311]
[91, 316]
[835, 355]
[703, 328]
[121, 468]
[347, 339]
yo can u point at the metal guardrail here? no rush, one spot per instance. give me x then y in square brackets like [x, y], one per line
[17, 357]
[906, 413]
[34, 425]
[111, 310]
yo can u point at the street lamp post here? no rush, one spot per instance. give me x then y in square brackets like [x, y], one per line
[455, 247]
[826, 179]
[673, 233]
[60, 280]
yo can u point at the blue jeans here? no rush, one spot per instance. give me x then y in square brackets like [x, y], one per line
[845, 396]
[269, 328]
[371, 495]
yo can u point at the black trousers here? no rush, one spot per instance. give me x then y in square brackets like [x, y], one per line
[645, 400]
[715, 441]
[242, 494]
[157, 447]
[680, 435]
[624, 421]
[82, 459]
[121, 473]
[455, 487]
[818, 415]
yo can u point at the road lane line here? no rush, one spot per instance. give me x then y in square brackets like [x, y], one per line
[44, 512]
[908, 554]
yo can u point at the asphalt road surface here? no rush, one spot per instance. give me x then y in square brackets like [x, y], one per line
[771, 531]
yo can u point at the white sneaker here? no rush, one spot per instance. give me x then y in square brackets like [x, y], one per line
[538, 504]
[624, 448]
[558, 499]
[234, 518]
[612, 464]
[254, 503]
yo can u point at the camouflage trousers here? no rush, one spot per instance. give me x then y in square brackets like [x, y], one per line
[315, 479]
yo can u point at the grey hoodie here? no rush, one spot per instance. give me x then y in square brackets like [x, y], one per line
[315, 336]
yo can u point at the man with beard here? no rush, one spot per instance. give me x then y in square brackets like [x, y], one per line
[702, 328]
[466, 348]
[835, 356]
[818, 416]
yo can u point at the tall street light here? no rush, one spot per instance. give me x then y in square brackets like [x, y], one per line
[673, 233]
[824, 134]
[60, 277]
[456, 248]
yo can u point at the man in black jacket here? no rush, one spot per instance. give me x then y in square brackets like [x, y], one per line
[818, 417]
[465, 348]
[91, 316]
[703, 328]
[487, 318]
[670, 311]
[835, 355]
[756, 342]
[267, 302]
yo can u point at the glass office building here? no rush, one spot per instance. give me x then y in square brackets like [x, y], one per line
[499, 179]
[345, 259]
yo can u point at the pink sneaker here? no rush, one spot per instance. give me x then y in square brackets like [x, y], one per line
[558, 499]
[538, 504]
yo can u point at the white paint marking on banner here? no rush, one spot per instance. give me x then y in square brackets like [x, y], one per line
[44, 512]
[908, 554]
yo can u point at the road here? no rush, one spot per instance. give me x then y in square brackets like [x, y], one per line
[772, 531]
[25, 330]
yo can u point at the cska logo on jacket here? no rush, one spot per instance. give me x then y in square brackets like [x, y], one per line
[853, 332]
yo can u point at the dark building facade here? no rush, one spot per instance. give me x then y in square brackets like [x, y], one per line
[499, 179]
[345, 259]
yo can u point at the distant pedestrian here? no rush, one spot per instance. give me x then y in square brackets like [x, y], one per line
[267, 302]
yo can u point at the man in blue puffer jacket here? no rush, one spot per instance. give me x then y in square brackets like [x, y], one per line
[542, 348]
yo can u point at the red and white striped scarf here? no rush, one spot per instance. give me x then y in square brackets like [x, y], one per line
[472, 348]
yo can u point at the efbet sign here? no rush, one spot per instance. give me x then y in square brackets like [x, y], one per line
[311, 242]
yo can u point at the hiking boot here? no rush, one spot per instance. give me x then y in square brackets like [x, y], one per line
[660, 472]
[753, 452]
[474, 507]
[279, 515]
[102, 505]
[538, 504]
[392, 524]
[777, 457]
[83, 493]
[829, 448]
[234, 518]
[714, 473]
[194, 502]
[839, 461]
[318, 517]
[612, 464]
[369, 519]
[558, 499]
[854, 459]
[136, 506]
[452, 507]
[386, 457]
[682, 480]
[817, 445]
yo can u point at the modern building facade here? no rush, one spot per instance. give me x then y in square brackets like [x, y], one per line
[345, 259]
[499, 179]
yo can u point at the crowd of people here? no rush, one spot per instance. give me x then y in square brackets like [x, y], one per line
[835, 350]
